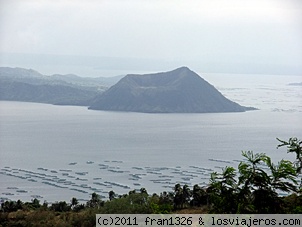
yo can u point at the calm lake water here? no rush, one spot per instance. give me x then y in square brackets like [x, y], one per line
[58, 152]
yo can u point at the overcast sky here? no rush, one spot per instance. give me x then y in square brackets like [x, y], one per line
[251, 36]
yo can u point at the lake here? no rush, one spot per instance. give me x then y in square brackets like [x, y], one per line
[55, 153]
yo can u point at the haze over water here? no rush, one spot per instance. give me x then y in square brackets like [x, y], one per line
[59, 152]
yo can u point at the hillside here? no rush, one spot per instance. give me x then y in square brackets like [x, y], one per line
[177, 91]
[19, 84]
[44, 93]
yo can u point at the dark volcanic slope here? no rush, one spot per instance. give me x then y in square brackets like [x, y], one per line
[177, 91]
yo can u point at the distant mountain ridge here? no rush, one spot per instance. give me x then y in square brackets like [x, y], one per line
[19, 84]
[295, 84]
[177, 91]
[45, 93]
[34, 77]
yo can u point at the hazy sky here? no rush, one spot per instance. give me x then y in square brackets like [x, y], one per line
[260, 36]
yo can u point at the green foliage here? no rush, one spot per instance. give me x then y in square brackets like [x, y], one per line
[283, 175]
[133, 203]
[199, 196]
[162, 204]
[259, 183]
[253, 188]
[182, 196]
[10, 206]
[60, 206]
[74, 202]
[292, 204]
[112, 195]
[95, 201]
[294, 145]
[222, 190]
